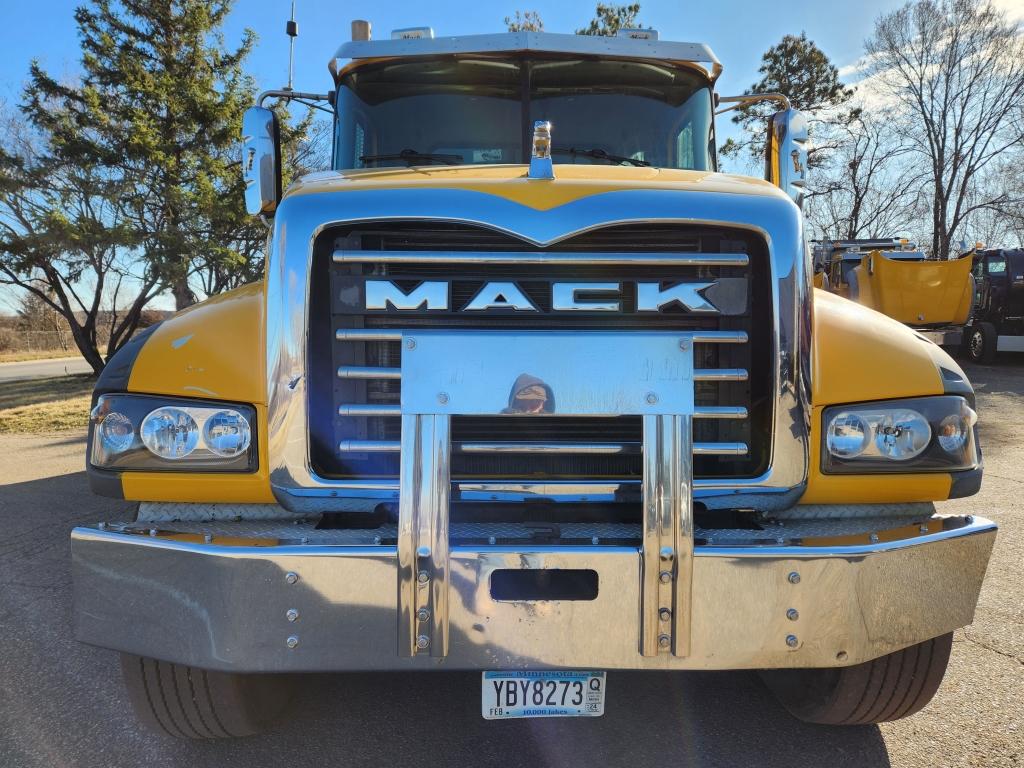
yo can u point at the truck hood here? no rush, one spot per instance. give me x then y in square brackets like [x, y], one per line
[510, 182]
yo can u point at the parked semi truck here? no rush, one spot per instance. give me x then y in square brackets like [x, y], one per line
[529, 388]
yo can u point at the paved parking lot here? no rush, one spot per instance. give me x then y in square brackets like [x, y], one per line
[61, 703]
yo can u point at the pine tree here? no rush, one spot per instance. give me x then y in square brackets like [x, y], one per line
[799, 70]
[159, 107]
[609, 19]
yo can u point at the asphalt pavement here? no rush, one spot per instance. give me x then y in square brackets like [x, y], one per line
[40, 369]
[62, 704]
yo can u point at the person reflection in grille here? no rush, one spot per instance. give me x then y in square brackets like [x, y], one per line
[530, 395]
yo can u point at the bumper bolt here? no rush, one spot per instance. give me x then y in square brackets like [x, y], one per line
[422, 577]
[651, 398]
[207, 538]
[664, 641]
[665, 577]
[666, 553]
[442, 398]
[291, 577]
[423, 614]
[291, 614]
[792, 614]
[664, 614]
[794, 577]
[874, 538]
[423, 552]
[422, 642]
[684, 344]
[791, 641]
[292, 641]
[410, 343]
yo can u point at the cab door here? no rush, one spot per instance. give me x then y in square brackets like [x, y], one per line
[993, 295]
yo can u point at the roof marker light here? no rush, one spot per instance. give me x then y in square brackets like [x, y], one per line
[413, 33]
[638, 34]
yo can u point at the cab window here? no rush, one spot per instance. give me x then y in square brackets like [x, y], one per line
[996, 265]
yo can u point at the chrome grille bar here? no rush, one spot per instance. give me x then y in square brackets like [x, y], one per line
[369, 410]
[368, 372]
[366, 334]
[717, 337]
[369, 446]
[573, 448]
[720, 449]
[682, 259]
[720, 412]
[720, 374]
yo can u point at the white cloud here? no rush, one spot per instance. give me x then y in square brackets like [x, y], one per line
[1014, 9]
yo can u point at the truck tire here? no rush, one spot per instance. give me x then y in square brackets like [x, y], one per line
[981, 342]
[190, 703]
[888, 688]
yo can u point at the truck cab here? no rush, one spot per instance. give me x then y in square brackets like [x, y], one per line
[529, 388]
[998, 316]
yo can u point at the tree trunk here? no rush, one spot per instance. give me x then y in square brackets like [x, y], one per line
[183, 296]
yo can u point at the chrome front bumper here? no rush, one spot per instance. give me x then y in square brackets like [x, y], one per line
[310, 602]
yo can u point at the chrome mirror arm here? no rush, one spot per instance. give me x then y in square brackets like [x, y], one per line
[752, 98]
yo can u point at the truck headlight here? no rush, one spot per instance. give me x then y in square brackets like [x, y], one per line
[927, 434]
[147, 432]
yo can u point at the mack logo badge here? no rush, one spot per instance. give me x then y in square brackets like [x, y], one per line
[724, 296]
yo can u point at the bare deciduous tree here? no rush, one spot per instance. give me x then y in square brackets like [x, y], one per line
[957, 68]
[64, 241]
[867, 190]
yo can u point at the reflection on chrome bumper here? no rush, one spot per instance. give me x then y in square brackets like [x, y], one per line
[269, 604]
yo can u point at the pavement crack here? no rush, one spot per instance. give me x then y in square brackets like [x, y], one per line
[987, 647]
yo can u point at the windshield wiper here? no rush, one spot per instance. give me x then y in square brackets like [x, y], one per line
[411, 156]
[599, 154]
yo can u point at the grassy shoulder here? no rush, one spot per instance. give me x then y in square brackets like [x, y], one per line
[24, 357]
[53, 404]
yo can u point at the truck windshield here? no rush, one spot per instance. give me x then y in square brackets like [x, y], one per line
[477, 110]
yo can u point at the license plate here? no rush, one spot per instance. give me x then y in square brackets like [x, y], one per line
[506, 695]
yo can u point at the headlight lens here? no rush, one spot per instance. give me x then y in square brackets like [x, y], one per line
[227, 433]
[902, 435]
[848, 435]
[144, 432]
[920, 435]
[170, 433]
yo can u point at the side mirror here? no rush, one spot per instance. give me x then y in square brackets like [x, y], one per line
[786, 153]
[261, 160]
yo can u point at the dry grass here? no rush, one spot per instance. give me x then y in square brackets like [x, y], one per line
[21, 357]
[54, 404]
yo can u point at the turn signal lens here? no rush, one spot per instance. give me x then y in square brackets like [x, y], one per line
[955, 430]
[117, 432]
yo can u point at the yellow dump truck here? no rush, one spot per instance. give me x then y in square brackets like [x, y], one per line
[896, 279]
[529, 388]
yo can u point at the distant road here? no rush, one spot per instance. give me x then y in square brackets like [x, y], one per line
[38, 369]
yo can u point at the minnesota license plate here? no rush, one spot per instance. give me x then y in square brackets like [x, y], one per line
[507, 695]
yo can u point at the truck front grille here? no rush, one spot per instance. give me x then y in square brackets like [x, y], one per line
[354, 354]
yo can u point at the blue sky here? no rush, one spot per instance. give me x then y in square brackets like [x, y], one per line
[738, 30]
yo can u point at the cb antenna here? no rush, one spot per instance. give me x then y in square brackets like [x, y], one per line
[292, 30]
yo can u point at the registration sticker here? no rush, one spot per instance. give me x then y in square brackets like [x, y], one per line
[507, 695]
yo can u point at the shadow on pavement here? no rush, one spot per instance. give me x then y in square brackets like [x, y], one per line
[62, 702]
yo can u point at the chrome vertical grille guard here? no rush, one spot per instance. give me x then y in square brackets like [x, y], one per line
[306, 214]
[590, 373]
